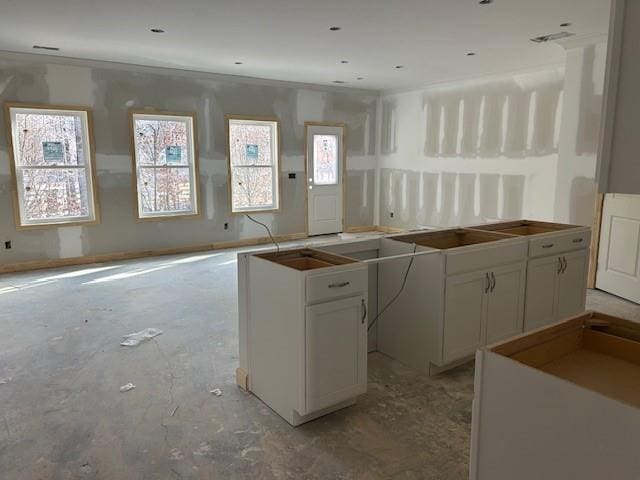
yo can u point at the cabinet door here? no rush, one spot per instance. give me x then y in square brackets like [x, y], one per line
[336, 352]
[463, 313]
[540, 297]
[505, 302]
[572, 284]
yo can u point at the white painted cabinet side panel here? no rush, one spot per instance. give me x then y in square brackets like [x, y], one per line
[534, 426]
[275, 335]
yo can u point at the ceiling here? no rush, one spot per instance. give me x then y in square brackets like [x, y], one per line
[291, 39]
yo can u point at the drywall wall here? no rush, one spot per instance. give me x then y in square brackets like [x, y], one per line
[111, 89]
[575, 178]
[511, 146]
[620, 169]
[469, 152]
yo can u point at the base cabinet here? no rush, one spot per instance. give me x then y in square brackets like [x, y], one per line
[482, 307]
[336, 352]
[556, 288]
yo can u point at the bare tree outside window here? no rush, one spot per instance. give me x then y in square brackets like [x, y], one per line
[253, 165]
[52, 165]
[165, 165]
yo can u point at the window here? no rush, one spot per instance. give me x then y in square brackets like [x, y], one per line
[52, 164]
[325, 159]
[254, 154]
[165, 164]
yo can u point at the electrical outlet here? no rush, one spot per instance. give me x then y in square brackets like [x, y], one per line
[292, 175]
[226, 226]
[7, 245]
[391, 214]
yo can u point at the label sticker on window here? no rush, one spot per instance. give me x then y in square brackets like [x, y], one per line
[173, 153]
[53, 152]
[252, 152]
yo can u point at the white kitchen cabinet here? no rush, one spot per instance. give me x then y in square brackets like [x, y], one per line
[481, 308]
[560, 403]
[542, 289]
[505, 302]
[572, 283]
[304, 342]
[464, 309]
[336, 352]
[556, 287]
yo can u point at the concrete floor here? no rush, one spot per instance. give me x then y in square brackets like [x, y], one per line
[63, 416]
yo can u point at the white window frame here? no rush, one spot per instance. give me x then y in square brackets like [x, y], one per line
[192, 165]
[22, 223]
[274, 123]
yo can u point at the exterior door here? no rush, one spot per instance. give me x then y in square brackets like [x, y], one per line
[336, 352]
[572, 282]
[505, 302]
[463, 314]
[324, 156]
[619, 256]
[540, 301]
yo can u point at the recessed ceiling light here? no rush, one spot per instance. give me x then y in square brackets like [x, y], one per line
[344, 61]
[485, 2]
[44, 47]
[238, 63]
[157, 30]
[471, 54]
[335, 29]
[399, 66]
[338, 81]
[360, 78]
[565, 24]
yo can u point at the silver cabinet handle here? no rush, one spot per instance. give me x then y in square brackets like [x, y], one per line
[339, 284]
[486, 289]
[560, 266]
[548, 245]
[578, 240]
[493, 281]
[364, 311]
[564, 260]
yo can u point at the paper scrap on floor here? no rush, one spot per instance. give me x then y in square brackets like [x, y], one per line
[135, 339]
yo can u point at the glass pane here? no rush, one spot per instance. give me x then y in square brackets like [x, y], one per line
[49, 139]
[165, 190]
[161, 142]
[54, 193]
[325, 159]
[250, 144]
[252, 187]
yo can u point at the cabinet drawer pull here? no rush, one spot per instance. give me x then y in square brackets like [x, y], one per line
[548, 245]
[560, 266]
[493, 281]
[577, 240]
[338, 284]
[486, 289]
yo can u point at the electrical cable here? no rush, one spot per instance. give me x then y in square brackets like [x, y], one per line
[268, 231]
[404, 282]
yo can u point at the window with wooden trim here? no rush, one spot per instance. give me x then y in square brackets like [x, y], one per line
[254, 154]
[165, 164]
[52, 164]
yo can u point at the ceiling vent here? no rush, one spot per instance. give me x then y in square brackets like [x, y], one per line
[552, 36]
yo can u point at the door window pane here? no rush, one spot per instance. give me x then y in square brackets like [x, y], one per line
[325, 159]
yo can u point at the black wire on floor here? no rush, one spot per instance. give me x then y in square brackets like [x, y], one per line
[404, 282]
[268, 231]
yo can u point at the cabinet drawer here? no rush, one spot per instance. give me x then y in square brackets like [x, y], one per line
[486, 257]
[336, 284]
[559, 243]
